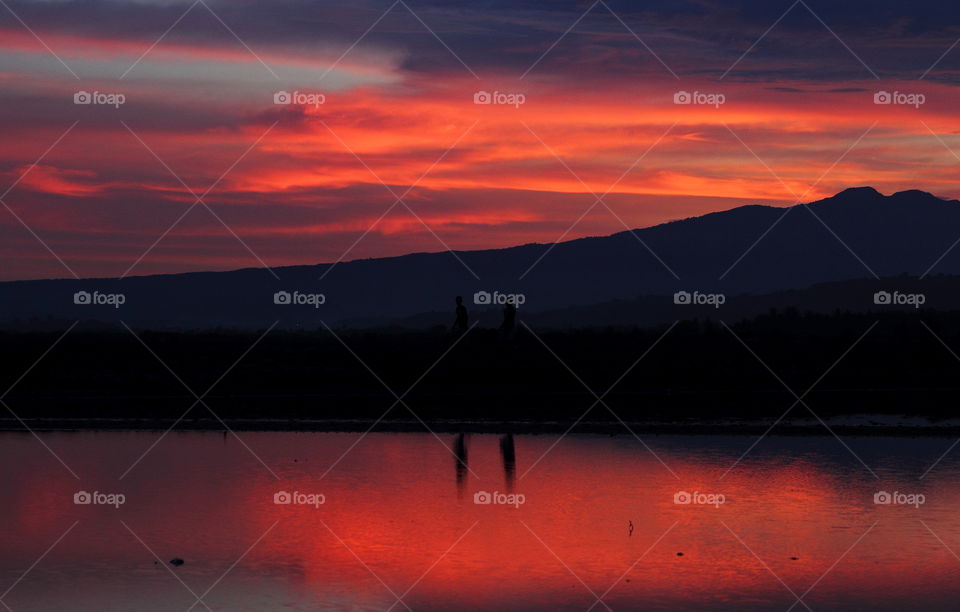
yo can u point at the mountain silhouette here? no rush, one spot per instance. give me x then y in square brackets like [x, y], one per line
[856, 234]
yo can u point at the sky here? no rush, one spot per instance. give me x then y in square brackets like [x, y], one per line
[152, 136]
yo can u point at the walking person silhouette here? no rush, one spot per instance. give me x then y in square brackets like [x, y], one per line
[460, 322]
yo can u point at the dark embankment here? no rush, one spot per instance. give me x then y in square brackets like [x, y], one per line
[698, 370]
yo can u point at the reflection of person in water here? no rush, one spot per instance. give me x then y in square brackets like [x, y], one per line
[509, 318]
[460, 323]
[460, 452]
[508, 454]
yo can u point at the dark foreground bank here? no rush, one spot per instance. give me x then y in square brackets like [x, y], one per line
[694, 372]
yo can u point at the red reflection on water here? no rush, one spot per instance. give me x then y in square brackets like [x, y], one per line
[394, 513]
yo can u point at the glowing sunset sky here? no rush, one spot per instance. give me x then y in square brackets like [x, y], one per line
[299, 184]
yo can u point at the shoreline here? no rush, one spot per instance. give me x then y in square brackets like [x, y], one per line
[868, 428]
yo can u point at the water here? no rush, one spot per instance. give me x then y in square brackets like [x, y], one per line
[399, 526]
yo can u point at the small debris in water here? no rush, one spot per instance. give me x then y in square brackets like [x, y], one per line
[177, 561]
[794, 558]
[679, 554]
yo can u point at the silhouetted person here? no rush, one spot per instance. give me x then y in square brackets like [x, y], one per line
[509, 455]
[509, 319]
[460, 323]
[630, 528]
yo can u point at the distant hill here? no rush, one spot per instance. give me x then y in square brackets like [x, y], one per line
[852, 235]
[938, 292]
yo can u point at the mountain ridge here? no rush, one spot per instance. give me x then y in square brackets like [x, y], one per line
[752, 249]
